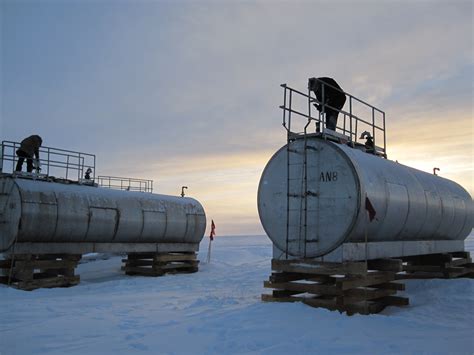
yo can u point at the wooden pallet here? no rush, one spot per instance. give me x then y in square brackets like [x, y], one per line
[29, 272]
[446, 266]
[158, 264]
[356, 287]
[345, 287]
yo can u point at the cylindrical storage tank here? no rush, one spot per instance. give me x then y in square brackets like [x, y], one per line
[310, 212]
[33, 211]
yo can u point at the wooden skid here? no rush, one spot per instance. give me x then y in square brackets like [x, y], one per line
[345, 287]
[309, 266]
[446, 266]
[158, 264]
[29, 271]
[58, 281]
[373, 278]
[357, 287]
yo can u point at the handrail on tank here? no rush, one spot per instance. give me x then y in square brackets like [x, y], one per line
[70, 165]
[351, 120]
[123, 183]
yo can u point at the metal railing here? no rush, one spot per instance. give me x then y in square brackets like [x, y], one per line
[54, 162]
[358, 117]
[354, 121]
[122, 183]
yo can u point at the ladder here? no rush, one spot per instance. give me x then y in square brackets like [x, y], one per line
[297, 213]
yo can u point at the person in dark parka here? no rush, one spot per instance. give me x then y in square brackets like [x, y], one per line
[369, 142]
[333, 97]
[29, 147]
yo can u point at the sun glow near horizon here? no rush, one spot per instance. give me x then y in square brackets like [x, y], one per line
[225, 184]
[443, 142]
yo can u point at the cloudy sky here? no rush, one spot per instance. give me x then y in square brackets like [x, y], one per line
[187, 92]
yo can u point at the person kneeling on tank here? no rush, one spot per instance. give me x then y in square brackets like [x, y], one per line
[333, 96]
[29, 148]
[369, 142]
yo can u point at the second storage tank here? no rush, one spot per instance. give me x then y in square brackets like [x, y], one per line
[310, 212]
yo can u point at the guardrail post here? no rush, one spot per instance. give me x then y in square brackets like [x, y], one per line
[373, 125]
[67, 166]
[48, 155]
[384, 137]
[1, 158]
[284, 106]
[289, 112]
[350, 117]
[323, 112]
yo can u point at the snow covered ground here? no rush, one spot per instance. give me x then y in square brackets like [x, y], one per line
[218, 311]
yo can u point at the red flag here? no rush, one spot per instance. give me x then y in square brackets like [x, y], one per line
[213, 230]
[370, 209]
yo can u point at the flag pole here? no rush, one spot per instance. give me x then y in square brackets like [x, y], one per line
[209, 251]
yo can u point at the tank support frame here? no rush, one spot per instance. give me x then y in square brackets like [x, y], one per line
[159, 264]
[364, 287]
[31, 271]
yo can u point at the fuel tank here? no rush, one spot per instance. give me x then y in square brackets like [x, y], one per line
[34, 211]
[311, 203]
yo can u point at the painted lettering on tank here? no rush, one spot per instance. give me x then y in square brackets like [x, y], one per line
[328, 176]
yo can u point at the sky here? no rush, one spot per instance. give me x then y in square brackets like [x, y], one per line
[188, 92]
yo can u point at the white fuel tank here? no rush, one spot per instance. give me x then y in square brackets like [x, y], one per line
[310, 212]
[33, 211]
